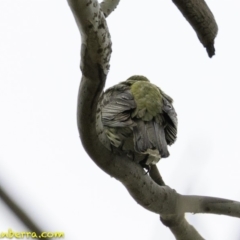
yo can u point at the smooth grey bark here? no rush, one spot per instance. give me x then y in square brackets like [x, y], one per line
[200, 17]
[148, 190]
[94, 53]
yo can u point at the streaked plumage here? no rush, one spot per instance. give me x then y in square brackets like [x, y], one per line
[138, 118]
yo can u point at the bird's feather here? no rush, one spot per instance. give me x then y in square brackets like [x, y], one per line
[171, 122]
[143, 127]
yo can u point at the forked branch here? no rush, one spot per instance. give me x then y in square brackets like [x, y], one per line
[148, 191]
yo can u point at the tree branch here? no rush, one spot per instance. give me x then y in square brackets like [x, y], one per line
[200, 17]
[180, 228]
[145, 189]
[107, 6]
[22, 216]
[177, 224]
[203, 204]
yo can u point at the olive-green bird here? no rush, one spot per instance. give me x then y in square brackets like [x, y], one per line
[139, 119]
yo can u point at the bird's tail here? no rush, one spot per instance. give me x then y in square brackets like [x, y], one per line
[149, 138]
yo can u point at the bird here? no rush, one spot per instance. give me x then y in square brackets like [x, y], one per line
[139, 119]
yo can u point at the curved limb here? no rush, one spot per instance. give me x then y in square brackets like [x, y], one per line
[95, 57]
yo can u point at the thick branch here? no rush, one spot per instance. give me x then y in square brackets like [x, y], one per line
[200, 17]
[93, 65]
[180, 228]
[95, 57]
[177, 223]
[203, 204]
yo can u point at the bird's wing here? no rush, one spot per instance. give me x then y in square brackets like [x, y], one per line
[116, 109]
[170, 117]
[149, 137]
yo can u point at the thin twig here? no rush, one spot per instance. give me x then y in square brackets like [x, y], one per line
[18, 211]
[107, 6]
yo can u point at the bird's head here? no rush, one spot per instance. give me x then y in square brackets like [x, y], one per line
[138, 78]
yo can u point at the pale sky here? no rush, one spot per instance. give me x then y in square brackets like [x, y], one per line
[42, 162]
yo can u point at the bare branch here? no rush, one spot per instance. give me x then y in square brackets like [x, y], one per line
[93, 65]
[107, 6]
[180, 228]
[145, 189]
[198, 14]
[202, 204]
[22, 216]
[177, 223]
